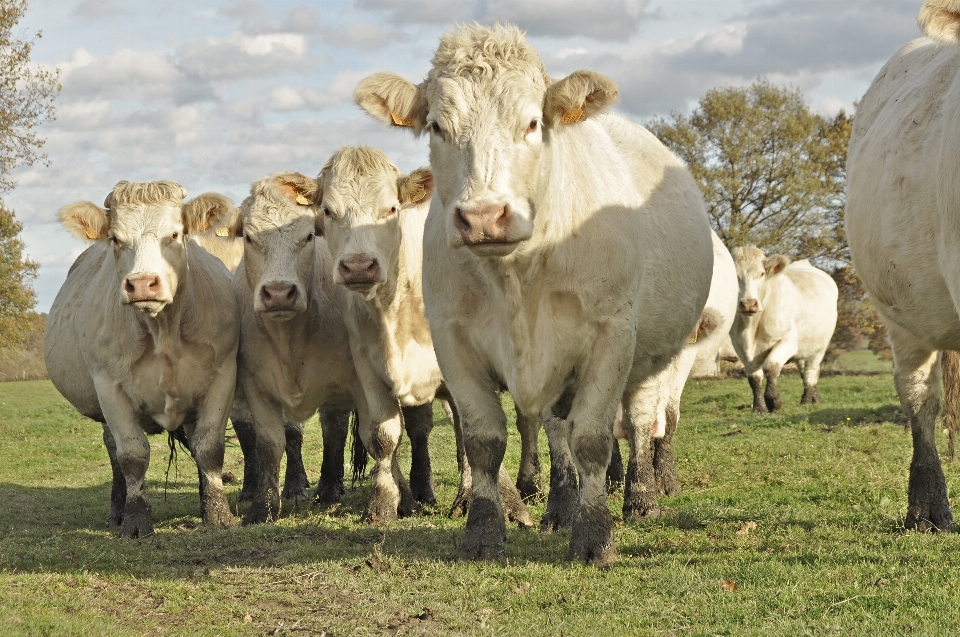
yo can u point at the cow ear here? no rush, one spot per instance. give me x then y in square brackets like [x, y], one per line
[85, 220]
[577, 97]
[296, 188]
[775, 264]
[211, 210]
[940, 20]
[392, 100]
[416, 188]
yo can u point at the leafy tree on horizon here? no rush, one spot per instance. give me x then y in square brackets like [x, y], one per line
[27, 97]
[771, 170]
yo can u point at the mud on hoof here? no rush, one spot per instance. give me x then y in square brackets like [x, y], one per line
[592, 540]
[529, 487]
[328, 493]
[772, 400]
[295, 486]
[562, 506]
[634, 511]
[137, 519]
[665, 472]
[760, 408]
[928, 508]
[246, 495]
[514, 510]
[461, 504]
[265, 510]
[115, 517]
[216, 512]
[486, 532]
[810, 396]
[422, 488]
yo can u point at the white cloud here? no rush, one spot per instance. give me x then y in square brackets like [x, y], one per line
[240, 55]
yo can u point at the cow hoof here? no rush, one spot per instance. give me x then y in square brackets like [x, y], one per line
[295, 490]
[260, 513]
[216, 512]
[930, 517]
[810, 397]
[381, 511]
[556, 520]
[633, 512]
[774, 403]
[529, 488]
[668, 486]
[486, 532]
[423, 494]
[246, 495]
[592, 538]
[328, 494]
[115, 519]
[137, 520]
[461, 504]
[760, 409]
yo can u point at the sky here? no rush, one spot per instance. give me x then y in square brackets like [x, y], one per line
[217, 94]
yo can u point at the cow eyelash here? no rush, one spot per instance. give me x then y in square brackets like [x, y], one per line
[436, 130]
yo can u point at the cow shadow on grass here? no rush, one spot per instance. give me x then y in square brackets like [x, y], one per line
[63, 530]
[851, 416]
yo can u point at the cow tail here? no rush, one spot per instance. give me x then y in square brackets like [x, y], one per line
[950, 366]
[358, 451]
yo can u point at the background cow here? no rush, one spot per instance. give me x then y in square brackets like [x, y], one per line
[221, 239]
[903, 224]
[142, 337]
[374, 219]
[294, 350]
[536, 188]
[787, 311]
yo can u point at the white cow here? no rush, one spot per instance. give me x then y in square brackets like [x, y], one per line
[903, 225]
[787, 311]
[651, 468]
[142, 337]
[567, 251]
[374, 219]
[294, 347]
[222, 239]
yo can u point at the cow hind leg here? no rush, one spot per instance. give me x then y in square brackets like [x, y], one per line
[295, 482]
[664, 464]
[917, 379]
[418, 421]
[206, 444]
[564, 496]
[811, 375]
[334, 424]
[771, 395]
[591, 539]
[529, 477]
[756, 386]
[615, 473]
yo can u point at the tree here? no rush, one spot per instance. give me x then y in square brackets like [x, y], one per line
[17, 297]
[771, 170]
[27, 98]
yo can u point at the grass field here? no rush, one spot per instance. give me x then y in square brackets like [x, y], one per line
[788, 525]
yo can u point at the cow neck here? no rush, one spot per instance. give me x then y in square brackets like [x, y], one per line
[398, 305]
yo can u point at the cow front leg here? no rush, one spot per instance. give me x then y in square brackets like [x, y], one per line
[390, 496]
[529, 478]
[771, 394]
[756, 386]
[118, 491]
[916, 373]
[270, 437]
[640, 415]
[206, 441]
[295, 480]
[418, 422]
[335, 425]
[247, 437]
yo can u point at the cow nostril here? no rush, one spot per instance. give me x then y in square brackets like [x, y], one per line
[128, 287]
[344, 269]
[374, 267]
[460, 221]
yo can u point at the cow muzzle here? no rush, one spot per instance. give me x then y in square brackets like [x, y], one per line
[749, 307]
[359, 271]
[484, 225]
[279, 297]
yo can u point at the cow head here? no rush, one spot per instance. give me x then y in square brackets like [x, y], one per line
[216, 227]
[145, 224]
[940, 20]
[280, 227]
[363, 196]
[754, 269]
[489, 108]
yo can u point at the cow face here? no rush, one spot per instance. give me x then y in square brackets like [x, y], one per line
[145, 224]
[489, 109]
[280, 228]
[754, 269]
[362, 199]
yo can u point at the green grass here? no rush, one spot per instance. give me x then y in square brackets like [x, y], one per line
[800, 512]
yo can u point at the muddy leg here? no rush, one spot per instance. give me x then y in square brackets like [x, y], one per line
[334, 423]
[771, 395]
[295, 481]
[615, 473]
[118, 492]
[640, 488]
[564, 496]
[664, 465]
[756, 385]
[247, 437]
[418, 422]
[529, 478]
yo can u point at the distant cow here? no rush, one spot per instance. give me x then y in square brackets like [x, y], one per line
[787, 311]
[374, 219]
[903, 225]
[220, 239]
[142, 337]
[294, 348]
[567, 251]
[652, 468]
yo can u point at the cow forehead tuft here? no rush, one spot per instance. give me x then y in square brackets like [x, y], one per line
[359, 161]
[149, 192]
[747, 255]
[476, 50]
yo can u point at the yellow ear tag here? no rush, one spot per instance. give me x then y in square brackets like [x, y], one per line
[223, 232]
[418, 194]
[399, 121]
[692, 339]
[303, 201]
[89, 232]
[572, 117]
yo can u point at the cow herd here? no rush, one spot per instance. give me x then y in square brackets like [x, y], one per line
[553, 250]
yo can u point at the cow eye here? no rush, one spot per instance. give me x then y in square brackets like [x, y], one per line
[114, 240]
[394, 210]
[175, 236]
[532, 128]
[309, 237]
[326, 212]
[247, 238]
[436, 130]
